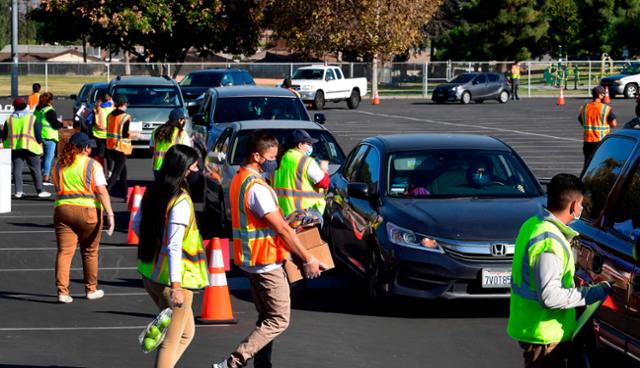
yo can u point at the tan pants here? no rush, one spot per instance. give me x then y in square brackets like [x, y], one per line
[73, 225]
[546, 356]
[182, 327]
[270, 293]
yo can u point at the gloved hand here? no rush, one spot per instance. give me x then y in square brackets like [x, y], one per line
[111, 224]
[598, 291]
[313, 268]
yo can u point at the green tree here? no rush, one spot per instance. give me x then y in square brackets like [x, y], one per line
[564, 27]
[627, 18]
[5, 23]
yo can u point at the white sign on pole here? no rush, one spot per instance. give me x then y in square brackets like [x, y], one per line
[5, 180]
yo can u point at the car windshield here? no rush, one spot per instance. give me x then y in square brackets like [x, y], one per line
[84, 92]
[308, 74]
[259, 108]
[150, 96]
[204, 80]
[633, 68]
[325, 149]
[450, 173]
[463, 78]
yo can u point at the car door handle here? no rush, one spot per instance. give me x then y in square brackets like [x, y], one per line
[596, 264]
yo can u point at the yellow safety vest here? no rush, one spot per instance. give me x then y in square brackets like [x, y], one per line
[292, 185]
[21, 134]
[194, 273]
[529, 321]
[48, 132]
[74, 184]
[100, 115]
[160, 148]
[515, 72]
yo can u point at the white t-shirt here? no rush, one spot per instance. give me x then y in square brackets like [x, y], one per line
[314, 172]
[98, 176]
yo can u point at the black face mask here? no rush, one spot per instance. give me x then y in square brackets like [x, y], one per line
[193, 177]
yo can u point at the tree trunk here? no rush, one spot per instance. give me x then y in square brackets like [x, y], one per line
[127, 65]
[84, 48]
[374, 75]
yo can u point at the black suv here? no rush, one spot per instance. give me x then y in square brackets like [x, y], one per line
[607, 248]
[195, 84]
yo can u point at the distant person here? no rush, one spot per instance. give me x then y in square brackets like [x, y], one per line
[119, 143]
[23, 135]
[46, 115]
[286, 83]
[98, 123]
[167, 135]
[172, 260]
[542, 315]
[515, 80]
[34, 98]
[81, 197]
[597, 119]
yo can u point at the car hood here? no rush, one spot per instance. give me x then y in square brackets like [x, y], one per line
[616, 77]
[463, 219]
[449, 85]
[149, 114]
[191, 93]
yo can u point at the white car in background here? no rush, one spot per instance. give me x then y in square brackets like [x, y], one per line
[320, 83]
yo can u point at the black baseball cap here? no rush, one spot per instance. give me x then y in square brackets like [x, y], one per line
[177, 114]
[597, 90]
[82, 140]
[120, 100]
[300, 135]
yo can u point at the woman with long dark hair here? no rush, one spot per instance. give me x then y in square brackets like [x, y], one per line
[166, 135]
[171, 256]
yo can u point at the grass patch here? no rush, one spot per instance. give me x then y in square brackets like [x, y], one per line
[59, 85]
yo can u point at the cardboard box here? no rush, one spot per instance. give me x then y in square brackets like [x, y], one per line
[312, 241]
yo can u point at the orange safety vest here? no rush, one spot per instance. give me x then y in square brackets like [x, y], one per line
[115, 140]
[75, 184]
[255, 243]
[33, 100]
[593, 117]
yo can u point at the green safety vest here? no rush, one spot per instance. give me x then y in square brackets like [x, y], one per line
[21, 134]
[292, 185]
[194, 265]
[74, 184]
[48, 132]
[529, 321]
[99, 128]
[160, 148]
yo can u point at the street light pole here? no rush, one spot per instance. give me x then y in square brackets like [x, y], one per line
[14, 48]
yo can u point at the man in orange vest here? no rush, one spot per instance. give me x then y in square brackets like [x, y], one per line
[118, 143]
[597, 119]
[262, 241]
[34, 99]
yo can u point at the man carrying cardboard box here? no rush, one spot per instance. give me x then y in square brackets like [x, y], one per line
[262, 240]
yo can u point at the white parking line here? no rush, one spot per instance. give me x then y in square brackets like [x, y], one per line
[51, 248]
[25, 231]
[28, 216]
[465, 125]
[53, 269]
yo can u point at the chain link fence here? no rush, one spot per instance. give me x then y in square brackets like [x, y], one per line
[395, 79]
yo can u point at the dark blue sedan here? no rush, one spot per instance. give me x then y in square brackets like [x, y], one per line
[431, 215]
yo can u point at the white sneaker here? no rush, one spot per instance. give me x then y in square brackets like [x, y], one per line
[47, 184]
[222, 364]
[19, 194]
[66, 299]
[95, 295]
[44, 195]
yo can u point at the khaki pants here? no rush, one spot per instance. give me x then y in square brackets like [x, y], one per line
[182, 327]
[73, 225]
[547, 356]
[270, 293]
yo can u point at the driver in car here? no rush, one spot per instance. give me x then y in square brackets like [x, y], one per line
[479, 173]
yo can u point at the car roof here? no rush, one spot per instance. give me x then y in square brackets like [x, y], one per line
[253, 91]
[415, 142]
[99, 85]
[277, 124]
[634, 133]
[143, 80]
[217, 70]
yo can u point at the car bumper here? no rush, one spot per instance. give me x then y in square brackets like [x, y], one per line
[430, 275]
[614, 88]
[307, 95]
[445, 95]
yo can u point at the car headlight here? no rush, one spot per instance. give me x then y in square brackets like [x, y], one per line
[407, 238]
[306, 88]
[619, 82]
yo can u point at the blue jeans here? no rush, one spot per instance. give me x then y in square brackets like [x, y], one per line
[49, 155]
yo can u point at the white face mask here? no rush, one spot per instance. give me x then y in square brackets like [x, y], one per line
[577, 216]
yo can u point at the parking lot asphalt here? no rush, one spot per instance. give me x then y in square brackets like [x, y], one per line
[332, 324]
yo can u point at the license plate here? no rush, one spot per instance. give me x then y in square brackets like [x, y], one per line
[492, 279]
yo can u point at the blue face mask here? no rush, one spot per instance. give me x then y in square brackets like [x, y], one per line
[310, 150]
[480, 179]
[269, 166]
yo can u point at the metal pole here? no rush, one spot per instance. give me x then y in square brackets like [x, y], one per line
[425, 80]
[529, 78]
[46, 76]
[589, 77]
[291, 70]
[351, 71]
[14, 48]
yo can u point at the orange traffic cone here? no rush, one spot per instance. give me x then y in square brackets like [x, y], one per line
[134, 205]
[216, 302]
[606, 98]
[560, 101]
[376, 99]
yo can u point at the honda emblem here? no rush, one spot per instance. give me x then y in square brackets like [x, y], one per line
[498, 250]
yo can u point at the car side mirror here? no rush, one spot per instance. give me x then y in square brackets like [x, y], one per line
[216, 157]
[73, 97]
[319, 118]
[198, 119]
[358, 190]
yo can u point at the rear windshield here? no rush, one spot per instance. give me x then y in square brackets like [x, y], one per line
[459, 173]
[308, 74]
[205, 80]
[150, 96]
[325, 149]
[259, 108]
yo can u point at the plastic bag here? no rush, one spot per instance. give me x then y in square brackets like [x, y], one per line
[153, 335]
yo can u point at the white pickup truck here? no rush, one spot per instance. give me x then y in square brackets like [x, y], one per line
[320, 83]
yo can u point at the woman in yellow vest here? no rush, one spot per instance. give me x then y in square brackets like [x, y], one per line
[119, 143]
[23, 135]
[168, 134]
[81, 195]
[46, 115]
[171, 256]
[299, 180]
